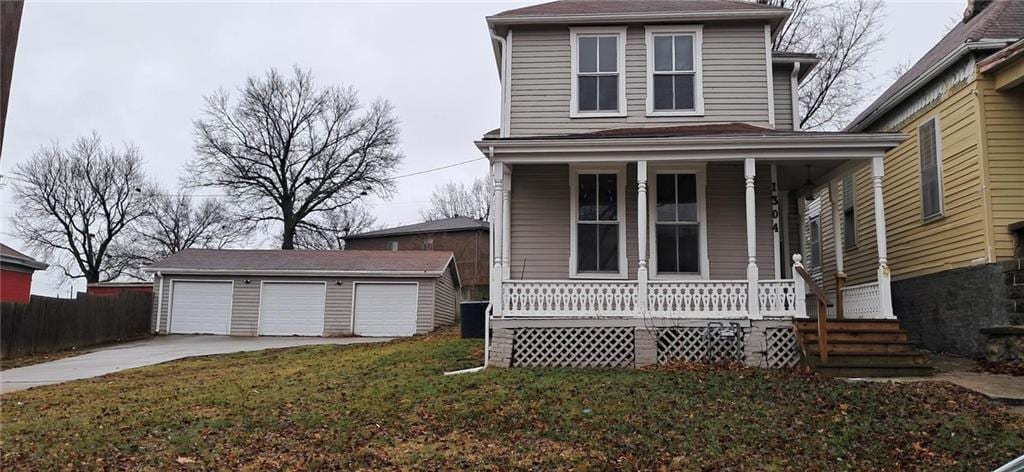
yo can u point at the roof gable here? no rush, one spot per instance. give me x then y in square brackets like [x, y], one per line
[1001, 20]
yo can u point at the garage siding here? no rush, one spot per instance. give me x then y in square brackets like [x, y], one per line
[444, 303]
[338, 303]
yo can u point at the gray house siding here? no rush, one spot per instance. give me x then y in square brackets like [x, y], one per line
[734, 67]
[245, 301]
[444, 301]
[540, 218]
[783, 99]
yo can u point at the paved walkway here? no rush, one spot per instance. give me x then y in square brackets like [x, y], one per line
[148, 352]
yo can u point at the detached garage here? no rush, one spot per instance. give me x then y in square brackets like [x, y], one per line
[304, 293]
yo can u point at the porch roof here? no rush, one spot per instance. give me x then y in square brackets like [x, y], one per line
[719, 141]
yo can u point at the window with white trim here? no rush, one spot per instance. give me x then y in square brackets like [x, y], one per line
[677, 232]
[849, 216]
[392, 245]
[674, 71]
[598, 231]
[814, 227]
[598, 66]
[428, 244]
[930, 148]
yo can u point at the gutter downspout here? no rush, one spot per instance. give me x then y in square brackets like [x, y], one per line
[794, 86]
[159, 302]
[505, 87]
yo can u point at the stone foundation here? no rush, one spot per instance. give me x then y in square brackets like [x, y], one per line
[945, 312]
[629, 342]
[1004, 344]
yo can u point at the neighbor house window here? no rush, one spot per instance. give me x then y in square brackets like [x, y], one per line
[674, 71]
[598, 66]
[392, 245]
[929, 145]
[428, 244]
[598, 232]
[677, 224]
[849, 218]
[814, 225]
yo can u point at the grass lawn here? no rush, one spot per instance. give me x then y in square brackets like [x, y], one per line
[387, 406]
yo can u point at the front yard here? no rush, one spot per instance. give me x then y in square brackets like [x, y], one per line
[387, 406]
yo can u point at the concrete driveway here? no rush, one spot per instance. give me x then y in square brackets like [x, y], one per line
[148, 352]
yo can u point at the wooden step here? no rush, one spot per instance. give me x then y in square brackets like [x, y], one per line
[890, 359]
[859, 347]
[873, 371]
[851, 325]
[868, 335]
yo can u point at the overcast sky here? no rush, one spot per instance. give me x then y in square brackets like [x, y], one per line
[138, 71]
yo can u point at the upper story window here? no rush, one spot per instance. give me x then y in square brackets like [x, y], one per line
[598, 72]
[929, 145]
[598, 229]
[674, 71]
[392, 245]
[428, 244]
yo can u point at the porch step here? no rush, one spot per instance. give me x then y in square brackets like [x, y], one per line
[868, 335]
[837, 346]
[862, 348]
[850, 325]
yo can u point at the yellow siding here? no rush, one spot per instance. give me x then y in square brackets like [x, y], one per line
[1004, 133]
[914, 247]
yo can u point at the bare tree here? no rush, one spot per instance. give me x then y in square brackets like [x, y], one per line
[330, 230]
[181, 221]
[290, 151]
[75, 202]
[458, 199]
[845, 34]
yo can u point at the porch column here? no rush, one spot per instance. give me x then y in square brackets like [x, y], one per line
[884, 284]
[753, 306]
[497, 230]
[506, 225]
[837, 242]
[641, 229]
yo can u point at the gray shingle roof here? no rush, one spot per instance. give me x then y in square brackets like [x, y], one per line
[428, 263]
[458, 223]
[1001, 20]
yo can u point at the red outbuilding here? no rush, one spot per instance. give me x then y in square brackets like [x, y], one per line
[16, 275]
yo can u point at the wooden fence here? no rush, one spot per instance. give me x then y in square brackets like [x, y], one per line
[54, 324]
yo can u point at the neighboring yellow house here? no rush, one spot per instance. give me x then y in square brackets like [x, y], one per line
[954, 190]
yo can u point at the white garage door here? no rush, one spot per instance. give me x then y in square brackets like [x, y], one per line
[385, 309]
[201, 307]
[292, 309]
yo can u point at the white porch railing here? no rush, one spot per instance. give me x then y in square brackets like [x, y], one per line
[665, 299]
[863, 301]
[703, 297]
[778, 297]
[569, 298]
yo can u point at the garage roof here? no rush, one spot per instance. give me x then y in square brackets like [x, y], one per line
[301, 262]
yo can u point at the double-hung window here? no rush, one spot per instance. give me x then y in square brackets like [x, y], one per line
[598, 72]
[598, 232]
[930, 147]
[814, 226]
[849, 217]
[678, 245]
[674, 78]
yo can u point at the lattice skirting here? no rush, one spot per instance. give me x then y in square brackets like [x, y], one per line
[574, 347]
[782, 350]
[702, 344]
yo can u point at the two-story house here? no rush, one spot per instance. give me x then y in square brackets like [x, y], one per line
[646, 173]
[954, 188]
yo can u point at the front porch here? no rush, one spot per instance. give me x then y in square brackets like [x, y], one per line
[589, 253]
